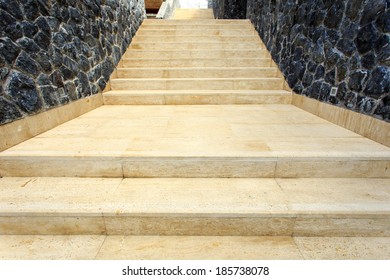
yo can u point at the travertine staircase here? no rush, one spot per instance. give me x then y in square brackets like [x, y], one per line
[197, 153]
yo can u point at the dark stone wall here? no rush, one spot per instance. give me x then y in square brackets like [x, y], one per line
[53, 52]
[320, 44]
[234, 9]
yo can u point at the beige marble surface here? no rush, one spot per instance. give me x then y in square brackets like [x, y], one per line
[21, 130]
[195, 206]
[198, 33]
[184, 137]
[170, 37]
[197, 25]
[198, 225]
[200, 72]
[367, 126]
[50, 247]
[61, 223]
[198, 248]
[229, 22]
[342, 225]
[48, 195]
[196, 97]
[193, 14]
[217, 196]
[217, 54]
[199, 84]
[195, 62]
[344, 248]
[196, 46]
[87, 247]
[336, 195]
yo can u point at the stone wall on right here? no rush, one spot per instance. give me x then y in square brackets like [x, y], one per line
[322, 44]
[233, 9]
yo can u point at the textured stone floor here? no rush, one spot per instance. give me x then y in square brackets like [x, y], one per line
[279, 139]
[87, 247]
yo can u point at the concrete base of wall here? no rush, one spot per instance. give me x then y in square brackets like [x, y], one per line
[24, 129]
[167, 8]
[364, 125]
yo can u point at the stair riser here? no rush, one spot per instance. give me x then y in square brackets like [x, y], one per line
[192, 16]
[193, 12]
[245, 62]
[243, 27]
[195, 99]
[196, 46]
[197, 22]
[199, 33]
[196, 73]
[184, 39]
[216, 54]
[202, 225]
[162, 167]
[135, 84]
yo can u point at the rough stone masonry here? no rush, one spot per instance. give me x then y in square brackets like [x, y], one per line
[53, 52]
[320, 44]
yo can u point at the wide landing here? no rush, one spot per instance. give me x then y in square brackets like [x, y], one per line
[276, 140]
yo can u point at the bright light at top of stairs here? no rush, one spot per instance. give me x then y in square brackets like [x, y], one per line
[200, 4]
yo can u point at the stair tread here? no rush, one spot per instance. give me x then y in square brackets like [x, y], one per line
[188, 38]
[195, 97]
[201, 125]
[197, 26]
[122, 247]
[196, 51]
[195, 45]
[201, 141]
[173, 91]
[188, 72]
[177, 206]
[194, 39]
[196, 197]
[206, 68]
[170, 20]
[194, 62]
[198, 79]
[253, 52]
[183, 34]
[157, 60]
[250, 44]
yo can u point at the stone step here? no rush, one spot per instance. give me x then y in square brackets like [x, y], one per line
[197, 46]
[197, 32]
[200, 62]
[270, 140]
[194, 39]
[196, 16]
[196, 54]
[198, 84]
[198, 26]
[193, 14]
[195, 97]
[198, 72]
[184, 22]
[133, 247]
[195, 206]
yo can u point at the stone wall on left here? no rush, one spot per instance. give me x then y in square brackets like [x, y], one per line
[53, 52]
